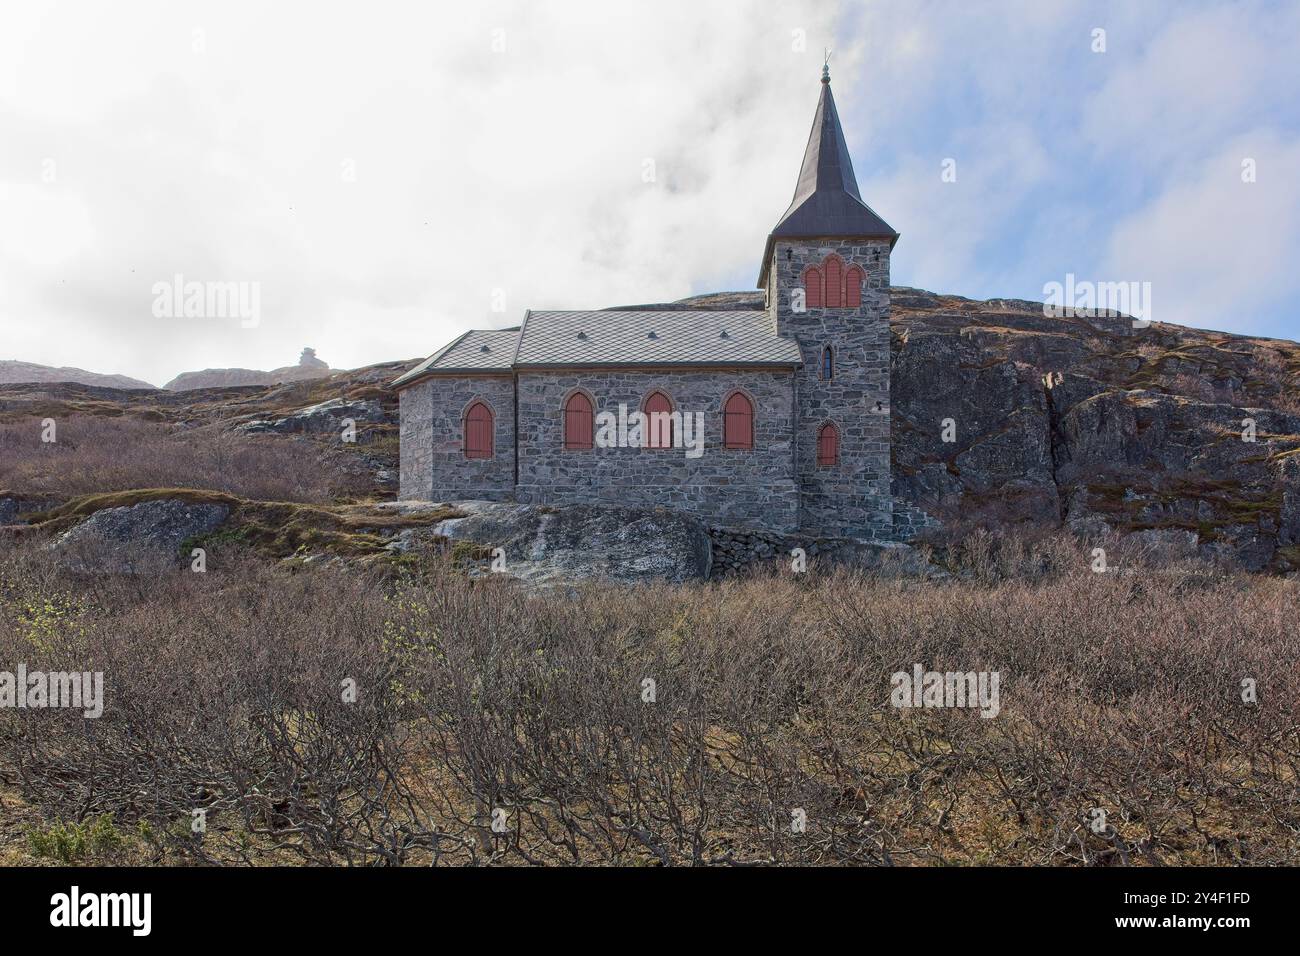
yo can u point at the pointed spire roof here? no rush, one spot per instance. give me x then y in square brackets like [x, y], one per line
[826, 201]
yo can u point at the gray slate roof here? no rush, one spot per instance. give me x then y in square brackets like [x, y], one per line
[617, 338]
[826, 199]
[474, 351]
[631, 337]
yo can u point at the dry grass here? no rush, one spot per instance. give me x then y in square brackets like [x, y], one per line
[96, 454]
[1119, 692]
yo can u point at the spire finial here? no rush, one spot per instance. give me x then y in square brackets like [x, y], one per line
[826, 67]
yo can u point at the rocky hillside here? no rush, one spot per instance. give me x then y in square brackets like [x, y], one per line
[308, 367]
[1094, 424]
[13, 372]
[1002, 417]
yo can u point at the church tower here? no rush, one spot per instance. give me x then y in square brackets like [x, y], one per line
[826, 277]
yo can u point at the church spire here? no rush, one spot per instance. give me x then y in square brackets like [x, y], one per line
[826, 201]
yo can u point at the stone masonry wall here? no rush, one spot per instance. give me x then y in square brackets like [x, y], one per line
[852, 497]
[743, 488]
[433, 462]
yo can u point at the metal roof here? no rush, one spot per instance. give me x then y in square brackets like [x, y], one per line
[629, 337]
[826, 201]
[475, 351]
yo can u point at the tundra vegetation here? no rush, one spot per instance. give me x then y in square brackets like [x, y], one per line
[409, 714]
[390, 707]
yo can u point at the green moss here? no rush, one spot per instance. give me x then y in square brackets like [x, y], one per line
[277, 529]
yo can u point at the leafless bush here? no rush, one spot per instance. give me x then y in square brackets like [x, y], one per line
[494, 726]
[95, 454]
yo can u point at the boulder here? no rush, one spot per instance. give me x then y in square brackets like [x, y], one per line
[142, 538]
[550, 545]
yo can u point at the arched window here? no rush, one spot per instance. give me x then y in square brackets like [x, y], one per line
[828, 446]
[834, 297]
[738, 422]
[478, 431]
[828, 363]
[659, 423]
[579, 421]
[853, 287]
[812, 285]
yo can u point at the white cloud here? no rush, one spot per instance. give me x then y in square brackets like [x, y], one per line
[1219, 252]
[475, 170]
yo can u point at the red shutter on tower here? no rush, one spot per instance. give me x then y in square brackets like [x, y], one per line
[578, 421]
[738, 422]
[834, 297]
[812, 285]
[828, 446]
[853, 287]
[478, 431]
[659, 427]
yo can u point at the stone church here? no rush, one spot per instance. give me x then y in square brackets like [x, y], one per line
[792, 400]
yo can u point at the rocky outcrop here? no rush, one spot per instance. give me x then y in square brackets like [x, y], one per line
[142, 538]
[308, 367]
[324, 417]
[1177, 434]
[1002, 414]
[558, 545]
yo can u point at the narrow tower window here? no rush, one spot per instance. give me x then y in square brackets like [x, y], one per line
[853, 287]
[828, 363]
[579, 421]
[738, 422]
[828, 446]
[812, 284]
[478, 431]
[834, 297]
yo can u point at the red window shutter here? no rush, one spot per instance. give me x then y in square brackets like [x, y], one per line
[738, 422]
[579, 421]
[812, 285]
[828, 446]
[478, 431]
[834, 282]
[853, 287]
[659, 429]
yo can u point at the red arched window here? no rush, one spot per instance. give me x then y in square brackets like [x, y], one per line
[478, 431]
[812, 285]
[828, 363]
[738, 422]
[853, 287]
[659, 422]
[834, 297]
[579, 421]
[828, 446]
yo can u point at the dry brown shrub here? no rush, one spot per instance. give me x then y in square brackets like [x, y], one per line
[95, 454]
[1120, 692]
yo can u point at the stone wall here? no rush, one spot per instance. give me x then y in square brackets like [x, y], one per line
[433, 462]
[853, 497]
[738, 549]
[747, 488]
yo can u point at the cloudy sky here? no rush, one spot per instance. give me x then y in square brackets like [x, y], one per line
[386, 174]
